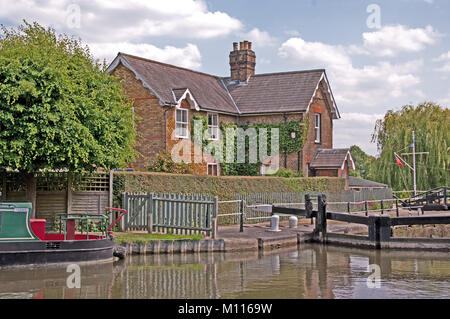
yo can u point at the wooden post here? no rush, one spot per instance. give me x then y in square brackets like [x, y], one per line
[150, 215]
[365, 206]
[111, 188]
[321, 220]
[382, 208]
[348, 207]
[214, 219]
[396, 207]
[124, 206]
[379, 229]
[241, 216]
[69, 193]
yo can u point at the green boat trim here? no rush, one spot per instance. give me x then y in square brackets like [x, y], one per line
[15, 222]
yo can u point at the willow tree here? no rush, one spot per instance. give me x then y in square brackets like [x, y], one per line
[59, 109]
[431, 124]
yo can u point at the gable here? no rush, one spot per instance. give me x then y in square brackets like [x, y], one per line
[266, 93]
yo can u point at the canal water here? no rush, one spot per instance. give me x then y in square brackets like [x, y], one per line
[312, 271]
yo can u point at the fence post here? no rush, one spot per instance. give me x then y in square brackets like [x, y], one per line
[382, 207]
[365, 206]
[241, 216]
[348, 207]
[123, 220]
[150, 214]
[214, 218]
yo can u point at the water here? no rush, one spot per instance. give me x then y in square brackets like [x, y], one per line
[312, 271]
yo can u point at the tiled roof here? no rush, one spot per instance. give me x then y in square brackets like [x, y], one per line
[364, 183]
[330, 158]
[263, 93]
[277, 92]
[161, 78]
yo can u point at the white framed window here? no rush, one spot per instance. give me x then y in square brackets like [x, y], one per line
[213, 126]
[213, 169]
[317, 126]
[181, 123]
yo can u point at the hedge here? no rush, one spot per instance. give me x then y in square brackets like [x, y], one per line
[225, 187]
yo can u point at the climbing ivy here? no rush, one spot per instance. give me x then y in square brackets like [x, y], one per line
[287, 144]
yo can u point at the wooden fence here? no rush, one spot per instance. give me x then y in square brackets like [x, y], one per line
[61, 192]
[176, 213]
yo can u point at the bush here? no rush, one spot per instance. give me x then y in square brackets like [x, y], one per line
[163, 163]
[285, 172]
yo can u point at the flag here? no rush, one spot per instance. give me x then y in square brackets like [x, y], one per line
[398, 161]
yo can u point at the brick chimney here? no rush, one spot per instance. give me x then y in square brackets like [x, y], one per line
[242, 61]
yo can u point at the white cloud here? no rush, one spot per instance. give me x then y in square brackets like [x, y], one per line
[109, 21]
[429, 1]
[445, 57]
[188, 57]
[356, 129]
[394, 39]
[292, 33]
[259, 38]
[367, 86]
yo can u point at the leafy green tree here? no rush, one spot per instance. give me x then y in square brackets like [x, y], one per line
[362, 162]
[59, 109]
[431, 124]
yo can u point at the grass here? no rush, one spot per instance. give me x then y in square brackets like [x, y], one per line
[143, 238]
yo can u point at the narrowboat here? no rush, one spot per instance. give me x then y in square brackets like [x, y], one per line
[24, 241]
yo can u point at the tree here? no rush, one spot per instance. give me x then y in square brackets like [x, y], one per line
[362, 161]
[431, 124]
[59, 109]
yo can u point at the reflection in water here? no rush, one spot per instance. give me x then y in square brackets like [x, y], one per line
[314, 271]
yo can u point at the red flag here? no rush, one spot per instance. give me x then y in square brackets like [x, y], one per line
[398, 161]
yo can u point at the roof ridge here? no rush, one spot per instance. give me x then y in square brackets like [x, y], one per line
[167, 64]
[289, 72]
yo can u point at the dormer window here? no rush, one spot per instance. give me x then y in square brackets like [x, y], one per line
[181, 123]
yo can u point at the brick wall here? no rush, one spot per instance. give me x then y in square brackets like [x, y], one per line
[318, 106]
[154, 122]
[148, 117]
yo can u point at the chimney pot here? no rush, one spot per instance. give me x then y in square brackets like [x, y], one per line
[242, 61]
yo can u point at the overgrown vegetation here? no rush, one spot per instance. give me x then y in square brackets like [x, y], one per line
[163, 163]
[286, 173]
[287, 144]
[225, 187]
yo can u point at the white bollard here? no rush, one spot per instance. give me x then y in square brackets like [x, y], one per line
[274, 223]
[293, 222]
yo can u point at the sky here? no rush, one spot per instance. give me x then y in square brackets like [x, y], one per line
[378, 55]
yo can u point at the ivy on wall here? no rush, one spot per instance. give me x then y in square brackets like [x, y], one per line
[292, 137]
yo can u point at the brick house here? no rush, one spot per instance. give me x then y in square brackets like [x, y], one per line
[166, 97]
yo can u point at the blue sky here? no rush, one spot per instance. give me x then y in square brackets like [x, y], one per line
[379, 55]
